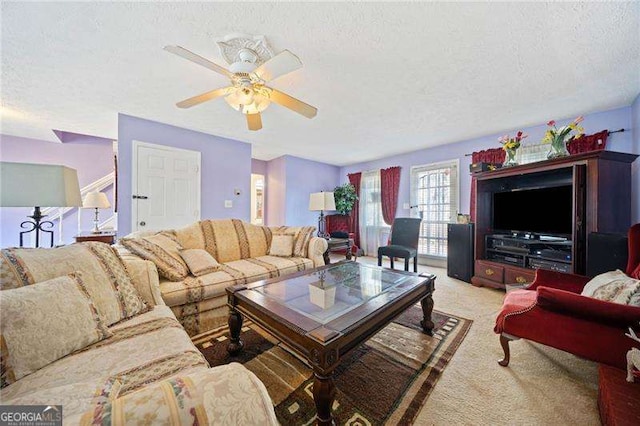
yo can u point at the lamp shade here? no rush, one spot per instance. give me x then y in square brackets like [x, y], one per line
[322, 201]
[42, 185]
[97, 200]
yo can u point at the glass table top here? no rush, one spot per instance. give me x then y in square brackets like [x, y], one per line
[327, 294]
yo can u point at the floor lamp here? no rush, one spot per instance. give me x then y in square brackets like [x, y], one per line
[321, 201]
[36, 185]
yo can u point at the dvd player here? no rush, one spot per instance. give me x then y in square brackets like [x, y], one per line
[506, 259]
[563, 255]
[550, 265]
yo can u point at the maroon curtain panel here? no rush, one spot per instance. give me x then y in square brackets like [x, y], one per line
[354, 179]
[587, 143]
[492, 156]
[389, 186]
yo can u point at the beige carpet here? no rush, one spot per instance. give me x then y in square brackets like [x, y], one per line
[542, 386]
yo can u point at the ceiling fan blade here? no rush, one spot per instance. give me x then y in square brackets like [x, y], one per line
[190, 56]
[188, 103]
[254, 121]
[292, 103]
[281, 64]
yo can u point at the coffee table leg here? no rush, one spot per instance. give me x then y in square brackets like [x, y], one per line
[427, 309]
[235, 325]
[324, 393]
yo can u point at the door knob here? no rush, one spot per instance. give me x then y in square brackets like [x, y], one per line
[143, 223]
[140, 197]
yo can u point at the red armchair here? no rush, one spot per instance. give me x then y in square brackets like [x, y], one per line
[551, 311]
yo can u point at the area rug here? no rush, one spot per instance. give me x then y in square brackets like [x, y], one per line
[385, 381]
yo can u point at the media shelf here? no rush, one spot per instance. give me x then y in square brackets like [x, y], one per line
[552, 253]
[600, 192]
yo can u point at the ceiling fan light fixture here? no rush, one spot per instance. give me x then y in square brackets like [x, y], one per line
[254, 104]
[252, 66]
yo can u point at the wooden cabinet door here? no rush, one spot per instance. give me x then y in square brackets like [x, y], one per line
[578, 250]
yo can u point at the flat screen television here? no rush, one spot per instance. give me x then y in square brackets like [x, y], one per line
[540, 211]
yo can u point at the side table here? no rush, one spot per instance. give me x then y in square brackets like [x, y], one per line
[337, 244]
[103, 237]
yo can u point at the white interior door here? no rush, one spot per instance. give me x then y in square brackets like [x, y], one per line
[166, 187]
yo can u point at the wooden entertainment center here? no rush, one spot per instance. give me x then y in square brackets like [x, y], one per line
[601, 189]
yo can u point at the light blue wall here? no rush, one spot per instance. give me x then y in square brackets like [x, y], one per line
[304, 177]
[258, 167]
[611, 120]
[226, 165]
[290, 180]
[276, 189]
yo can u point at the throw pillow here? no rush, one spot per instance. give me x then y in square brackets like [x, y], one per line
[44, 322]
[105, 275]
[281, 245]
[199, 261]
[301, 238]
[614, 286]
[161, 249]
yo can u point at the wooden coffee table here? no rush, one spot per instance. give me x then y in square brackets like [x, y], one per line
[325, 313]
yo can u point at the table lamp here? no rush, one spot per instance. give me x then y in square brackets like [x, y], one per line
[96, 200]
[321, 201]
[36, 185]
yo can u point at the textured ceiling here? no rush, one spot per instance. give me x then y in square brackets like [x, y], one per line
[386, 77]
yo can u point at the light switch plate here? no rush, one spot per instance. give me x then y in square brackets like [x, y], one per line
[406, 206]
[228, 204]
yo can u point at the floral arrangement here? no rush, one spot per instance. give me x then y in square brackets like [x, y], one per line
[512, 143]
[510, 146]
[558, 137]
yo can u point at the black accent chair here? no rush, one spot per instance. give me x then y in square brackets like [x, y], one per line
[405, 232]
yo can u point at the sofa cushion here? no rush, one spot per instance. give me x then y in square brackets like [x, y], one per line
[281, 245]
[190, 237]
[163, 250]
[144, 276]
[228, 240]
[148, 348]
[229, 394]
[45, 322]
[195, 289]
[199, 261]
[104, 275]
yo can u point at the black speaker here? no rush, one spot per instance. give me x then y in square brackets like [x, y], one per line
[460, 251]
[606, 252]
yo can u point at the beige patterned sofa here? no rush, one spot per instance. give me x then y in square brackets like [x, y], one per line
[146, 371]
[242, 250]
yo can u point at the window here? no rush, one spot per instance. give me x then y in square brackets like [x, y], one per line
[372, 226]
[434, 192]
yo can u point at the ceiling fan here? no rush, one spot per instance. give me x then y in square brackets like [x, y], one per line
[248, 92]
